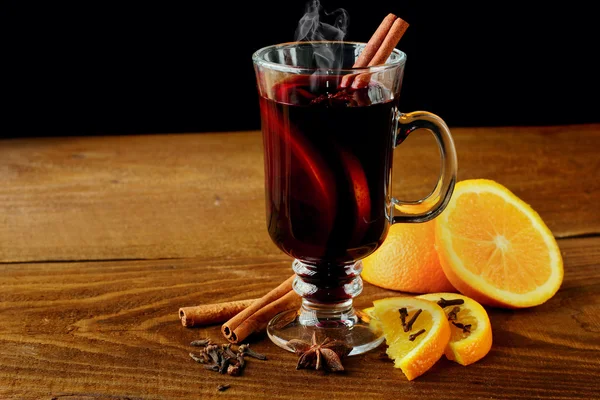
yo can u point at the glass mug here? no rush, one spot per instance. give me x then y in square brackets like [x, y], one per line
[328, 173]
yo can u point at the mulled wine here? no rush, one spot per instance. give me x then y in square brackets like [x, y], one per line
[328, 160]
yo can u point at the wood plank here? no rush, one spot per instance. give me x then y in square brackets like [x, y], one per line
[110, 330]
[555, 169]
[171, 196]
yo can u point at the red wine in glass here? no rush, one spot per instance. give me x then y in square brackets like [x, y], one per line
[328, 158]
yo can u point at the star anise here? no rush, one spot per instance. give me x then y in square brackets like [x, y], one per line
[327, 355]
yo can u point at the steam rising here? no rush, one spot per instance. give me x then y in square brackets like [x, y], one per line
[312, 28]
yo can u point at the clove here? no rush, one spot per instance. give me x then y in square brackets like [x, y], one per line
[465, 328]
[222, 388]
[227, 351]
[234, 370]
[446, 303]
[403, 314]
[200, 343]
[413, 336]
[240, 360]
[212, 367]
[410, 323]
[222, 358]
[245, 349]
[224, 365]
[213, 351]
[452, 314]
[200, 360]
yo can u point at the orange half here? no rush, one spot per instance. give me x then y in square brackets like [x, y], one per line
[495, 248]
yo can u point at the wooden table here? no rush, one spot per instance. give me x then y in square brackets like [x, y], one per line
[103, 239]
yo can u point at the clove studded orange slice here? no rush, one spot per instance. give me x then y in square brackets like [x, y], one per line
[494, 248]
[470, 328]
[416, 339]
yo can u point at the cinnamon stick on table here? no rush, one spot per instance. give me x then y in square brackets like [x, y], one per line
[207, 314]
[377, 50]
[256, 317]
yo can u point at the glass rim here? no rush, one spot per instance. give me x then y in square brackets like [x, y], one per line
[258, 58]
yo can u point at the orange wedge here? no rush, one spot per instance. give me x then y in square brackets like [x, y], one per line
[495, 248]
[418, 349]
[471, 331]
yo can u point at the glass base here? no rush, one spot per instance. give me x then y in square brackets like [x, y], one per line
[326, 312]
[355, 332]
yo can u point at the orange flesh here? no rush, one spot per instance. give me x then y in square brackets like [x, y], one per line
[402, 344]
[484, 238]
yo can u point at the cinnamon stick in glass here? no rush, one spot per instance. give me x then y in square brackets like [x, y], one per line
[377, 50]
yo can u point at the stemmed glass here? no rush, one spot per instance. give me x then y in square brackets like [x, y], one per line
[328, 155]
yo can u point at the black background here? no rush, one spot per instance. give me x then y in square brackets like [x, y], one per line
[98, 68]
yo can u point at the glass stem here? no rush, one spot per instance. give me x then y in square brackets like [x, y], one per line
[327, 292]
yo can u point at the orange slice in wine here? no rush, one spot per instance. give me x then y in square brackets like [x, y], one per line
[314, 176]
[360, 191]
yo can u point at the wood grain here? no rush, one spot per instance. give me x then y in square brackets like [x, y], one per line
[110, 330]
[177, 196]
[103, 239]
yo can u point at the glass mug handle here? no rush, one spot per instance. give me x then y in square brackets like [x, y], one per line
[432, 205]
